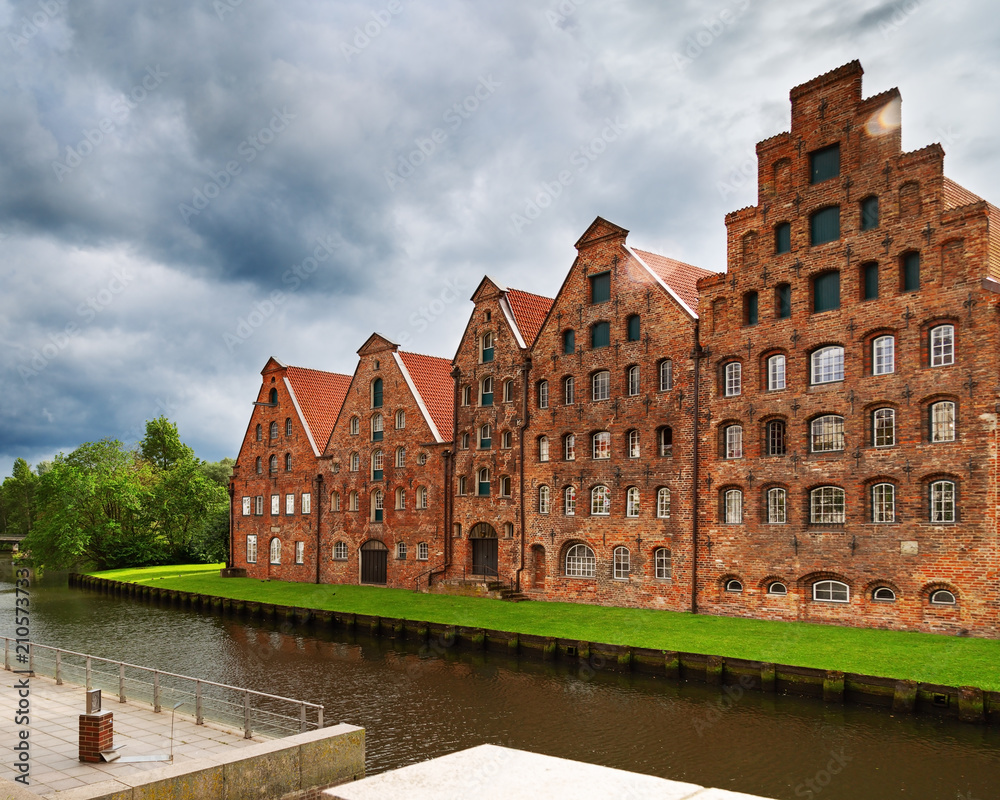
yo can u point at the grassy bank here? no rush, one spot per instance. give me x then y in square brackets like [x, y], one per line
[918, 656]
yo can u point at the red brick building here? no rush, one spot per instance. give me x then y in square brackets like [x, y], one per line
[810, 435]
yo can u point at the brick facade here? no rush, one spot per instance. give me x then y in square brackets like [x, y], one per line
[827, 433]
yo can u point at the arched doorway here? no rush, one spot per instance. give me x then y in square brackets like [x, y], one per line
[537, 567]
[374, 562]
[484, 550]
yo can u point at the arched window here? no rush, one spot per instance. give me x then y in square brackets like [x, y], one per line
[340, 551]
[600, 501]
[734, 586]
[505, 440]
[775, 438]
[942, 345]
[355, 426]
[421, 497]
[377, 428]
[377, 465]
[601, 385]
[569, 447]
[665, 440]
[400, 498]
[486, 349]
[663, 503]
[666, 371]
[826, 434]
[602, 445]
[733, 438]
[884, 427]
[633, 444]
[943, 421]
[377, 505]
[260, 434]
[508, 391]
[377, 393]
[732, 506]
[260, 468]
[831, 592]
[505, 485]
[632, 328]
[569, 342]
[942, 597]
[826, 506]
[776, 373]
[883, 355]
[569, 501]
[632, 502]
[543, 500]
[352, 501]
[485, 437]
[288, 426]
[401, 551]
[272, 464]
[663, 563]
[543, 394]
[508, 530]
[869, 213]
[288, 462]
[466, 395]
[569, 390]
[942, 496]
[543, 448]
[777, 588]
[400, 456]
[827, 364]
[580, 562]
[600, 335]
[423, 551]
[884, 594]
[272, 397]
[462, 485]
[632, 379]
[463, 441]
[483, 483]
[622, 563]
[777, 506]
[883, 502]
[276, 551]
[274, 430]
[355, 462]
[732, 379]
[335, 501]
[400, 419]
[486, 391]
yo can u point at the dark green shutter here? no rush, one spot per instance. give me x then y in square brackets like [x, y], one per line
[869, 213]
[784, 301]
[633, 328]
[569, 342]
[783, 238]
[911, 272]
[871, 281]
[600, 288]
[600, 335]
[377, 393]
[750, 305]
[824, 225]
[826, 292]
[824, 164]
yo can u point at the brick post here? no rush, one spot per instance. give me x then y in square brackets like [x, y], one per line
[97, 733]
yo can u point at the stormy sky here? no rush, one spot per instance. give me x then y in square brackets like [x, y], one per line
[190, 187]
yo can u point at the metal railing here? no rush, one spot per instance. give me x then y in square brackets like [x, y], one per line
[267, 714]
[428, 573]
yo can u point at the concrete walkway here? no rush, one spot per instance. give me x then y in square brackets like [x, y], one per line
[54, 733]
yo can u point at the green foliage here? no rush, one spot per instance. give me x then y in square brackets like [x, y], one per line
[17, 500]
[162, 445]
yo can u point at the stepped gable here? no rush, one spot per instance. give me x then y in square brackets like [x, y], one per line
[680, 277]
[431, 379]
[529, 311]
[318, 397]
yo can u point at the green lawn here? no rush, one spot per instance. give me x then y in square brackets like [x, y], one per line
[924, 657]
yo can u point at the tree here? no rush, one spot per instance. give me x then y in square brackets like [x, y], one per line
[19, 499]
[162, 445]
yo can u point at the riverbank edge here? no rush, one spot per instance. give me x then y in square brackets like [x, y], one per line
[733, 675]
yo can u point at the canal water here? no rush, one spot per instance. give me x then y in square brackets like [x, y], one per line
[421, 701]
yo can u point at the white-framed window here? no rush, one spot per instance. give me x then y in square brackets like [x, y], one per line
[776, 373]
[486, 391]
[483, 482]
[486, 437]
[421, 497]
[601, 385]
[378, 505]
[942, 345]
[827, 506]
[300, 552]
[665, 437]
[463, 484]
[602, 444]
[463, 441]
[401, 551]
[272, 463]
[306, 503]
[827, 365]
[580, 562]
[622, 563]
[355, 426]
[633, 380]
[569, 447]
[942, 501]
[400, 497]
[508, 391]
[289, 503]
[275, 504]
[600, 501]
[505, 485]
[273, 429]
[377, 463]
[259, 505]
[569, 501]
[666, 375]
[663, 503]
[732, 379]
[246, 507]
[486, 348]
[633, 444]
[466, 395]
[543, 394]
[663, 563]
[777, 588]
[335, 501]
[340, 551]
[352, 501]
[732, 506]
[943, 421]
[884, 427]
[400, 456]
[734, 441]
[505, 440]
[355, 462]
[544, 500]
[884, 355]
[826, 434]
[252, 548]
[777, 506]
[883, 502]
[400, 419]
[377, 430]
[275, 551]
[884, 594]
[423, 551]
[831, 592]
[543, 448]
[942, 597]
[735, 586]
[288, 426]
[569, 390]
[632, 502]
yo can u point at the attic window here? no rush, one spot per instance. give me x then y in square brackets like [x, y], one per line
[488, 315]
[376, 365]
[824, 164]
[600, 287]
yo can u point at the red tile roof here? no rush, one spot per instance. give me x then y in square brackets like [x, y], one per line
[530, 311]
[680, 277]
[956, 196]
[432, 378]
[320, 396]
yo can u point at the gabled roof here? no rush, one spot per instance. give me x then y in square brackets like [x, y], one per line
[956, 196]
[317, 396]
[430, 380]
[680, 278]
[529, 312]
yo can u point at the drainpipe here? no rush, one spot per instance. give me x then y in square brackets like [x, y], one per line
[525, 373]
[449, 505]
[319, 519]
[697, 354]
[232, 533]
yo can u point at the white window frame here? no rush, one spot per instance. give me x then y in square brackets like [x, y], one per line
[259, 505]
[306, 503]
[353, 502]
[401, 551]
[732, 385]
[776, 373]
[400, 456]
[884, 355]
[663, 560]
[831, 591]
[827, 505]
[569, 447]
[508, 391]
[622, 563]
[942, 345]
[275, 505]
[826, 365]
[777, 506]
[602, 445]
[569, 390]
[400, 498]
[543, 394]
[300, 552]
[252, 548]
[944, 419]
[290, 503]
[355, 426]
[666, 375]
[600, 386]
[943, 506]
[423, 551]
[421, 497]
[355, 462]
[733, 506]
[247, 507]
[634, 443]
[734, 441]
[569, 501]
[340, 551]
[634, 383]
[544, 499]
[275, 550]
[543, 448]
[663, 503]
[884, 427]
[883, 503]
[632, 502]
[580, 562]
[400, 419]
[600, 501]
[826, 433]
